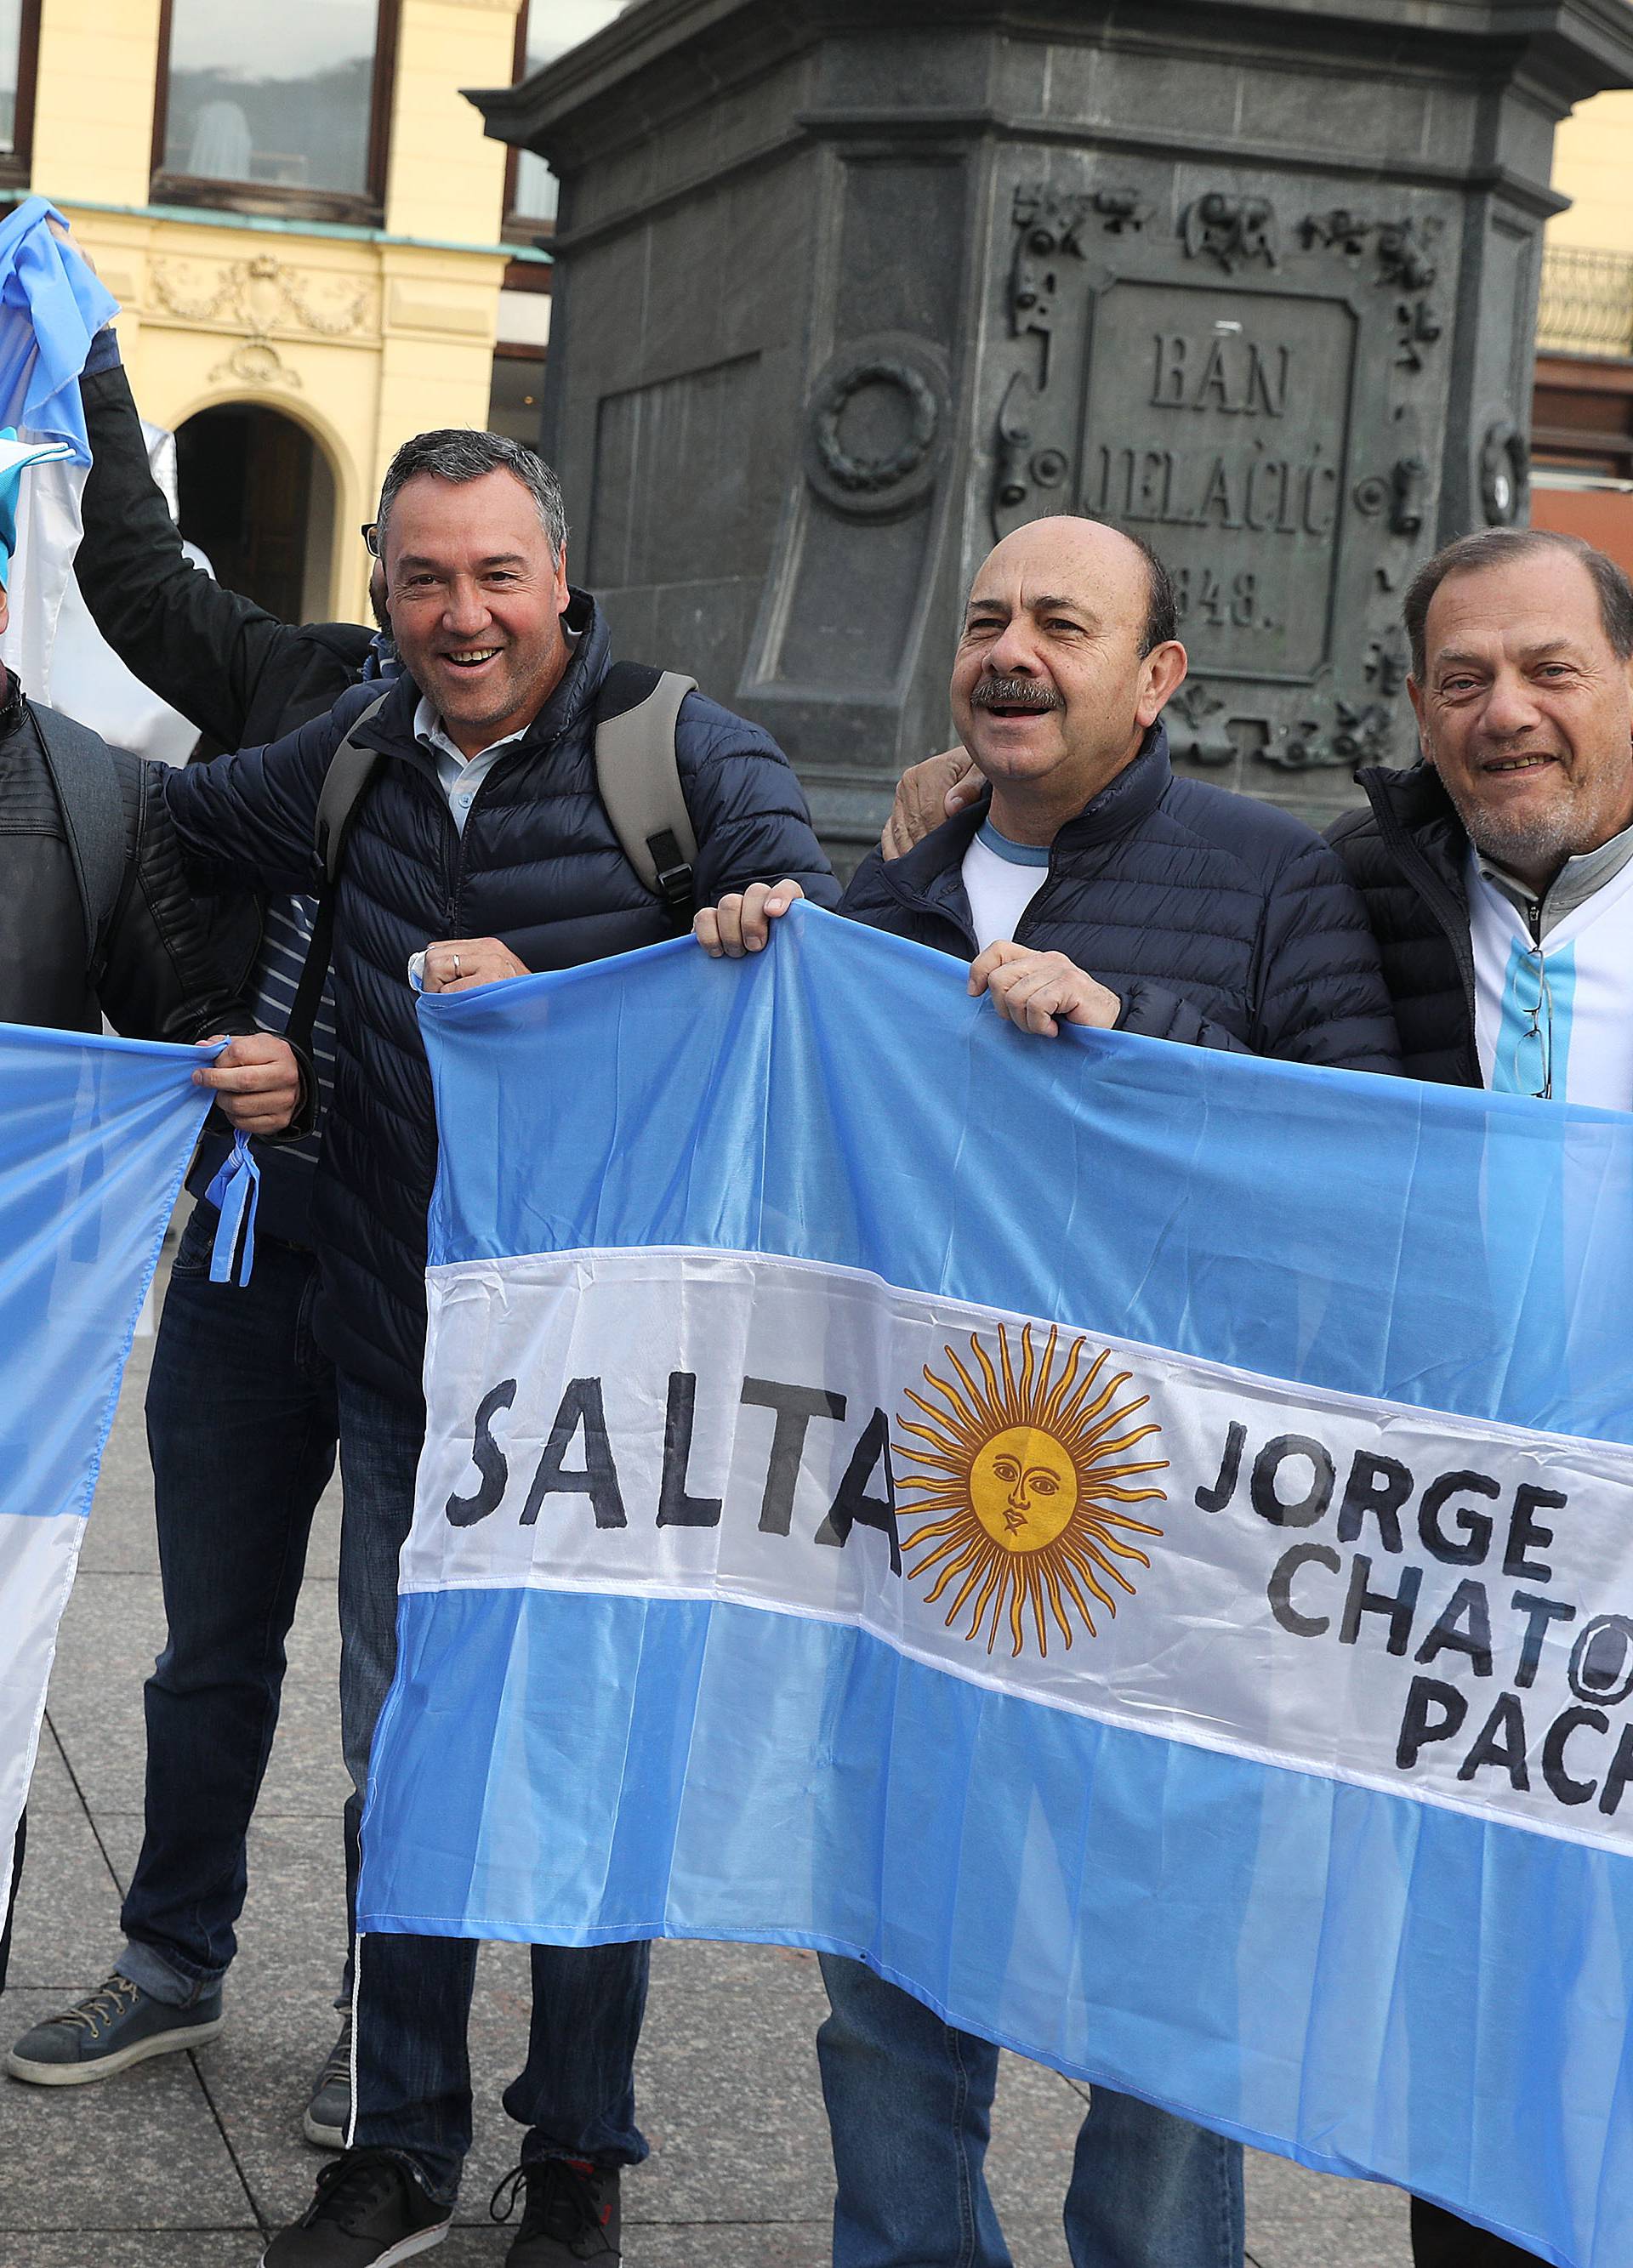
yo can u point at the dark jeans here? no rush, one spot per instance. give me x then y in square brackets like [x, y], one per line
[1440, 2240]
[576, 2095]
[240, 1427]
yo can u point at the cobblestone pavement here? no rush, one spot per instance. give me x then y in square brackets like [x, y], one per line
[190, 2161]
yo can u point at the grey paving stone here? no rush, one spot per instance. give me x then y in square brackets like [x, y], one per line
[141, 2151]
[120, 1835]
[111, 1629]
[728, 2089]
[51, 1789]
[119, 1538]
[62, 1942]
[748, 2244]
[1299, 2220]
[1036, 2116]
[323, 1544]
[132, 2249]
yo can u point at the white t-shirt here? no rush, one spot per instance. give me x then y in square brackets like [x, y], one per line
[1001, 880]
[1555, 1018]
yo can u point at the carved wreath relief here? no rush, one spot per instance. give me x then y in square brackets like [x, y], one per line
[1218, 422]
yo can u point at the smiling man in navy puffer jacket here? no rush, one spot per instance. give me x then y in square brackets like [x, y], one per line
[483, 846]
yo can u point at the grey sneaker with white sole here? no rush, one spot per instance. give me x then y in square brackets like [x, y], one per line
[328, 2113]
[107, 2031]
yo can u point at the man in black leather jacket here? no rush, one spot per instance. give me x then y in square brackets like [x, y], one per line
[230, 1587]
[152, 972]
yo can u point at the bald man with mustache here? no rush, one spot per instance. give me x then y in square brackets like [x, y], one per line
[1083, 884]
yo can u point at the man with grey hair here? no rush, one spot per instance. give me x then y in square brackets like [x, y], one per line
[1497, 875]
[480, 851]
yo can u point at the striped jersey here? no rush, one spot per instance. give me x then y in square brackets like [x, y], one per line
[1554, 996]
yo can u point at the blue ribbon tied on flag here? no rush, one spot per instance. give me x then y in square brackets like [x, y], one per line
[235, 1192]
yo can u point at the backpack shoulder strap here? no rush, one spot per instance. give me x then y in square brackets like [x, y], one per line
[351, 772]
[86, 781]
[638, 778]
[352, 769]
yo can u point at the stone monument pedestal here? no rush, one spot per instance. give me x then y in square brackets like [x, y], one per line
[844, 292]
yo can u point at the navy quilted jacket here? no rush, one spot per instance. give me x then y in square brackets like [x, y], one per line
[538, 866]
[1216, 919]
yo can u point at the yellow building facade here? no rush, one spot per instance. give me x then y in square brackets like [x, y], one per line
[1594, 167]
[1582, 413]
[303, 224]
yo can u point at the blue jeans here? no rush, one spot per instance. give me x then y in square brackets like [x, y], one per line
[576, 2095]
[909, 2108]
[240, 1427]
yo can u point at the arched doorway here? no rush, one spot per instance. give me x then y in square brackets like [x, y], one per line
[257, 496]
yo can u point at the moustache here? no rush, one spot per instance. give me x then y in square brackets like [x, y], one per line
[1015, 693]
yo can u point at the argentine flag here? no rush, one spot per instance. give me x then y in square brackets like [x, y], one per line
[1135, 1543]
[95, 1138]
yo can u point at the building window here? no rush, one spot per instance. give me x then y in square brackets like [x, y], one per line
[544, 30]
[278, 105]
[515, 404]
[20, 40]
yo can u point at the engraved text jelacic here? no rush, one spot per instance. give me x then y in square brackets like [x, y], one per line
[1217, 424]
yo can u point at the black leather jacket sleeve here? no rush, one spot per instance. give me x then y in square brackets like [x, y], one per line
[201, 648]
[158, 978]
[162, 978]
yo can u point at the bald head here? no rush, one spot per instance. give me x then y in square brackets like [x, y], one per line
[1066, 656]
[1093, 553]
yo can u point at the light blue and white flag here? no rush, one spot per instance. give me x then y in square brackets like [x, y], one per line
[51, 308]
[1135, 1543]
[94, 1140]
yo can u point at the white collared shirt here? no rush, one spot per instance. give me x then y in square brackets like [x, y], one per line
[458, 777]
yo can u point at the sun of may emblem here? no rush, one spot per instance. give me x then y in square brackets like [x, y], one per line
[1022, 1480]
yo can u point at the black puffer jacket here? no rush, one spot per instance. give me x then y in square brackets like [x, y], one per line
[159, 979]
[538, 866]
[1406, 855]
[1217, 920]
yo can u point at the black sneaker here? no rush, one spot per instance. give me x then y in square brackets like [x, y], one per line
[570, 2213]
[109, 2030]
[368, 2211]
[328, 2113]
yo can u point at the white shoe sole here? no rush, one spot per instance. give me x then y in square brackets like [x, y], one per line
[87, 2074]
[408, 2249]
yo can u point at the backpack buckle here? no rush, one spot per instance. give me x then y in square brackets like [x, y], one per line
[674, 875]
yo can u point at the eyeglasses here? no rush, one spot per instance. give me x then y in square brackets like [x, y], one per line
[370, 532]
